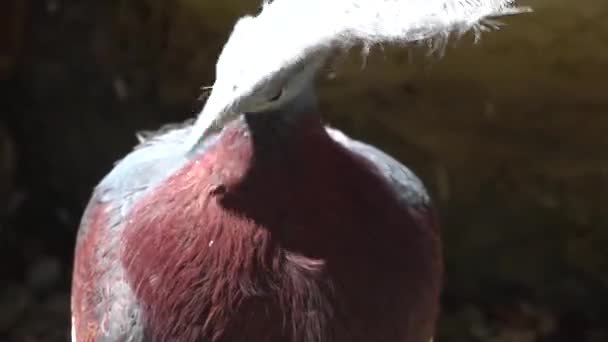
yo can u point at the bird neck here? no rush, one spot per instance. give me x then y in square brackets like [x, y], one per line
[275, 131]
[303, 104]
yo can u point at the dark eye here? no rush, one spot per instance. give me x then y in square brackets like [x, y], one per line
[276, 96]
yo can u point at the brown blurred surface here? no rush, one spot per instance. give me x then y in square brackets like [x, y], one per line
[509, 134]
[12, 19]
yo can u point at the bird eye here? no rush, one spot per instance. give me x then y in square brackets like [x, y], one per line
[276, 96]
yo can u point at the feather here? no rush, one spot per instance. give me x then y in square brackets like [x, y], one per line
[288, 33]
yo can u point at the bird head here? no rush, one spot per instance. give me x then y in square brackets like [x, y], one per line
[272, 58]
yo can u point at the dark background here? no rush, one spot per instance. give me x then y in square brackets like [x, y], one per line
[510, 135]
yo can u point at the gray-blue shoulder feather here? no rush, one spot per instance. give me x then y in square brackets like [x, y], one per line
[406, 184]
[156, 157]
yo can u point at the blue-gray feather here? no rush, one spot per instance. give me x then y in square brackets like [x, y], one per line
[152, 161]
[405, 183]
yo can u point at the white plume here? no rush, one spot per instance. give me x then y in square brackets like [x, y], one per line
[334, 23]
[288, 32]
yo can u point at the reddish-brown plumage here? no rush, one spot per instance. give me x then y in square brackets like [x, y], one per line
[296, 240]
[86, 275]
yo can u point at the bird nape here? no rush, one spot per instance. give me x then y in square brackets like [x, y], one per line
[259, 223]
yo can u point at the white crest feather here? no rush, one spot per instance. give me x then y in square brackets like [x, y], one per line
[288, 32]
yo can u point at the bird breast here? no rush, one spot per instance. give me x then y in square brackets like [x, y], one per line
[282, 235]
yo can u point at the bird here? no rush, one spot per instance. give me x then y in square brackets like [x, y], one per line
[259, 222]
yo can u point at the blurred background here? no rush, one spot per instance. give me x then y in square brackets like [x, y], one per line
[509, 134]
